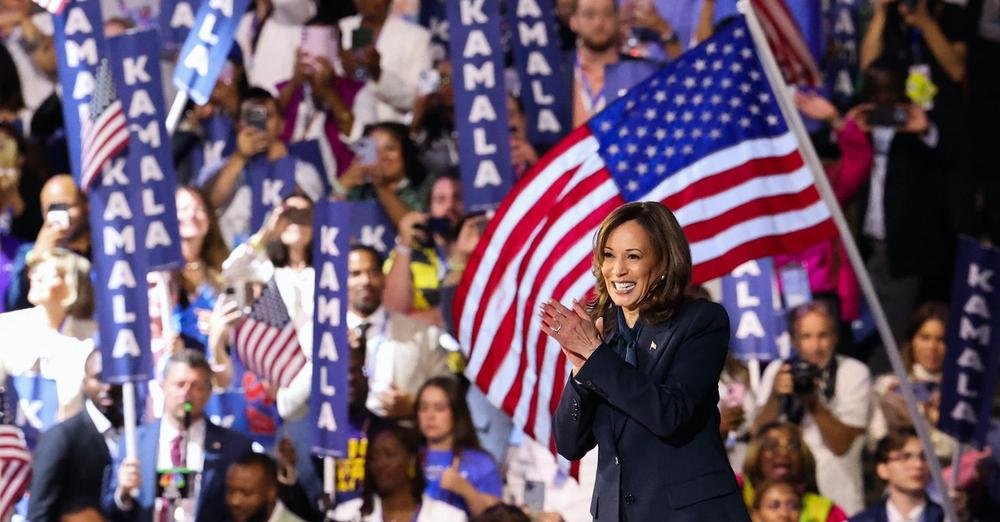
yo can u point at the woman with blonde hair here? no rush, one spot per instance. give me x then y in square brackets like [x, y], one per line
[52, 339]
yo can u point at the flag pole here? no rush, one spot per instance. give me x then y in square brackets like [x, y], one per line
[329, 484]
[854, 255]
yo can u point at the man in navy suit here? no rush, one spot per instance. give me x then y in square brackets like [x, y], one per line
[902, 464]
[183, 438]
[73, 459]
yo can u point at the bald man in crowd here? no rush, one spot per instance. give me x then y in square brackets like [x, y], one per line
[66, 225]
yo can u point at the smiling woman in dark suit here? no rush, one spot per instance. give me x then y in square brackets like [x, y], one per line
[646, 364]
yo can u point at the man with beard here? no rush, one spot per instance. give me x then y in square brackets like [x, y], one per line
[401, 352]
[600, 73]
[252, 490]
[65, 225]
[71, 458]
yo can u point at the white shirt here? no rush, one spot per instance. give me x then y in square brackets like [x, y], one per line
[430, 511]
[838, 477]
[194, 459]
[104, 427]
[35, 85]
[379, 358]
[31, 347]
[405, 51]
[281, 514]
[280, 37]
[895, 516]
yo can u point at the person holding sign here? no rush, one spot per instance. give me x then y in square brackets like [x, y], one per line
[394, 484]
[259, 172]
[182, 449]
[457, 470]
[50, 341]
[644, 388]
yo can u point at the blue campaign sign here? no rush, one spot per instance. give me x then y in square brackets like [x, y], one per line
[434, 16]
[206, 47]
[970, 365]
[548, 112]
[370, 225]
[176, 20]
[311, 152]
[328, 403]
[229, 410]
[270, 183]
[480, 103]
[122, 298]
[136, 69]
[35, 401]
[756, 323]
[79, 42]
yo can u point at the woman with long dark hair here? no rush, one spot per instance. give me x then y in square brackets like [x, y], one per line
[394, 484]
[644, 389]
[457, 469]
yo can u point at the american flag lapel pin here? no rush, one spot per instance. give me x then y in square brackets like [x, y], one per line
[652, 346]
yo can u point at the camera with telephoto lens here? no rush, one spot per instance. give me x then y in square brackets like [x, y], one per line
[804, 375]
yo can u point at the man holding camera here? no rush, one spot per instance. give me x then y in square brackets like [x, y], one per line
[828, 395]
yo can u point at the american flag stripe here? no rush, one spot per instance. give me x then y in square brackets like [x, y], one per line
[53, 6]
[267, 342]
[787, 43]
[106, 133]
[15, 468]
[722, 160]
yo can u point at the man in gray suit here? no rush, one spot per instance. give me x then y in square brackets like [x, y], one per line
[252, 490]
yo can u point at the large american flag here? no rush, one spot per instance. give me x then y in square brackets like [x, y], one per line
[266, 341]
[53, 6]
[15, 468]
[106, 133]
[785, 39]
[705, 136]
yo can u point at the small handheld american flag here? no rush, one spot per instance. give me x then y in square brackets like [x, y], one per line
[15, 468]
[266, 341]
[106, 133]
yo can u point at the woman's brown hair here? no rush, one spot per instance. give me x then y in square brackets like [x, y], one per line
[931, 310]
[673, 261]
[214, 250]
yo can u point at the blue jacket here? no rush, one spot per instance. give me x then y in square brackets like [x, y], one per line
[656, 425]
[877, 513]
[222, 446]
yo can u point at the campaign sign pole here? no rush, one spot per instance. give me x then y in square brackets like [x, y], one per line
[480, 103]
[204, 53]
[970, 366]
[328, 401]
[547, 110]
[79, 42]
[136, 71]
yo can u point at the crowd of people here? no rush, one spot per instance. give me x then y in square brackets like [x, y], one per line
[907, 151]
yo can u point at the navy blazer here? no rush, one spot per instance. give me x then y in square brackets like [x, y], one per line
[656, 425]
[69, 467]
[877, 513]
[222, 446]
